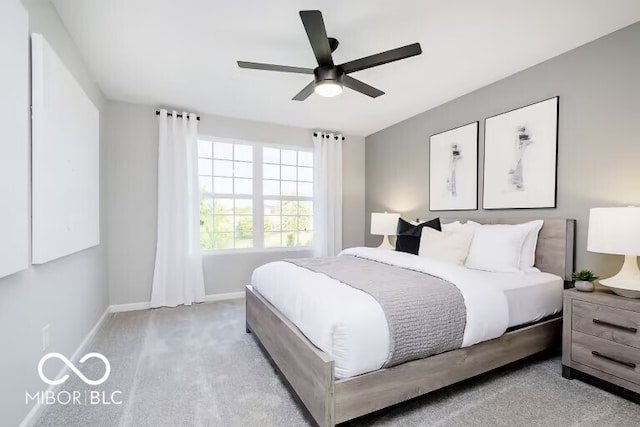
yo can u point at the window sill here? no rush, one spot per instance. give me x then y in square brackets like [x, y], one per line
[214, 252]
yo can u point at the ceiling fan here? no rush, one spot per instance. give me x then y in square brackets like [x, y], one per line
[328, 77]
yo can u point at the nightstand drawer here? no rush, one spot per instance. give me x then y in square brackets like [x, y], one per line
[613, 324]
[616, 359]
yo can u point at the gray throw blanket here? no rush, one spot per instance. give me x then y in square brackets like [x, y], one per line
[426, 315]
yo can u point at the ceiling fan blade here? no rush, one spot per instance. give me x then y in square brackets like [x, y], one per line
[314, 25]
[361, 87]
[382, 58]
[304, 93]
[273, 67]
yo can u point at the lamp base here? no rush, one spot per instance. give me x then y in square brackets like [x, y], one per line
[627, 282]
[385, 244]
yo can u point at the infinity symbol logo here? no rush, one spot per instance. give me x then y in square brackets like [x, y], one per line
[74, 369]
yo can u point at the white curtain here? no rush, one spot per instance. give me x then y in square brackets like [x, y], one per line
[178, 277]
[327, 193]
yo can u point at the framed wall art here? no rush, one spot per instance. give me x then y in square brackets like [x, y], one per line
[520, 157]
[453, 169]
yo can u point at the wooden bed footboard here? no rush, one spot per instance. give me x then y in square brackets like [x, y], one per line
[310, 371]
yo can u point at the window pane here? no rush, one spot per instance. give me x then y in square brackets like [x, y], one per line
[223, 207]
[243, 169]
[305, 158]
[223, 240]
[272, 223]
[289, 157]
[223, 150]
[206, 240]
[305, 238]
[205, 167]
[289, 207]
[206, 184]
[288, 188]
[271, 188]
[305, 189]
[243, 186]
[243, 152]
[271, 171]
[289, 238]
[222, 168]
[244, 207]
[206, 216]
[223, 223]
[223, 185]
[305, 223]
[244, 227]
[289, 223]
[289, 173]
[272, 239]
[271, 155]
[204, 149]
[305, 174]
[305, 208]
[272, 207]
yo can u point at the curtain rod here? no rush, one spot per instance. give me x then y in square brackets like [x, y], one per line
[316, 134]
[178, 115]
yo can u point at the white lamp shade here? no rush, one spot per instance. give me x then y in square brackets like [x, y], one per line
[384, 224]
[614, 231]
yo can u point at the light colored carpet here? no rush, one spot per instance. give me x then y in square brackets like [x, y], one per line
[196, 366]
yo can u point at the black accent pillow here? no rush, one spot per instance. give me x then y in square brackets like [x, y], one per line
[408, 235]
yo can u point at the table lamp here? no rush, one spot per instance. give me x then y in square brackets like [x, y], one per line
[384, 224]
[617, 231]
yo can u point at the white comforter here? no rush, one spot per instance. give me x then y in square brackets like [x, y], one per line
[350, 325]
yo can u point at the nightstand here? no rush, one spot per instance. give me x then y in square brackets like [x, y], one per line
[601, 341]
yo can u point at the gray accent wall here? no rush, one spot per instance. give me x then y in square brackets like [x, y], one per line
[598, 145]
[132, 157]
[70, 294]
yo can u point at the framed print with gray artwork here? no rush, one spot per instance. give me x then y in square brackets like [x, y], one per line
[520, 157]
[453, 169]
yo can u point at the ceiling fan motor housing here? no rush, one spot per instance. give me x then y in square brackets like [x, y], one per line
[328, 74]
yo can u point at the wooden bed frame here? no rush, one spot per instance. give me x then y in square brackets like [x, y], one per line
[310, 371]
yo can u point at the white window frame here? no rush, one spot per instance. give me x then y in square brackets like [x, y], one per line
[257, 197]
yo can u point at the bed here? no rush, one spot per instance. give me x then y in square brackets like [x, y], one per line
[337, 383]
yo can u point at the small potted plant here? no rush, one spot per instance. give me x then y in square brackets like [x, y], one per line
[584, 280]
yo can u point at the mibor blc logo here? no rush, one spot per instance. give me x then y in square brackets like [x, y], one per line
[75, 370]
[75, 397]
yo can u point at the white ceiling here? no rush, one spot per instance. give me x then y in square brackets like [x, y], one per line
[183, 53]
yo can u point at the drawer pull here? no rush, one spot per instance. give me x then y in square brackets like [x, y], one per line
[613, 359]
[615, 325]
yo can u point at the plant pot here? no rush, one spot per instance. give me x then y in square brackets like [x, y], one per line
[584, 286]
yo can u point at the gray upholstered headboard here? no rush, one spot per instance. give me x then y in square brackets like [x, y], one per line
[555, 251]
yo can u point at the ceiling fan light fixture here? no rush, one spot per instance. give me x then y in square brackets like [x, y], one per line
[328, 88]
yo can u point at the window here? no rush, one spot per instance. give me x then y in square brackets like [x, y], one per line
[246, 187]
[287, 188]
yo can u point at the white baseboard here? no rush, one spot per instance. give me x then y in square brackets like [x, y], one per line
[222, 297]
[118, 308]
[37, 408]
[134, 306]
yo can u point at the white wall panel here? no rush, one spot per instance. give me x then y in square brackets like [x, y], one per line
[14, 138]
[65, 159]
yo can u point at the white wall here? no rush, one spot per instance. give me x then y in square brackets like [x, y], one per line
[71, 293]
[132, 153]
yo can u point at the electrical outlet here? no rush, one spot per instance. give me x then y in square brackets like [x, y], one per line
[46, 337]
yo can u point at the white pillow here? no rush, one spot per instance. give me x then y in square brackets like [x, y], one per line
[457, 225]
[528, 255]
[447, 246]
[497, 247]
